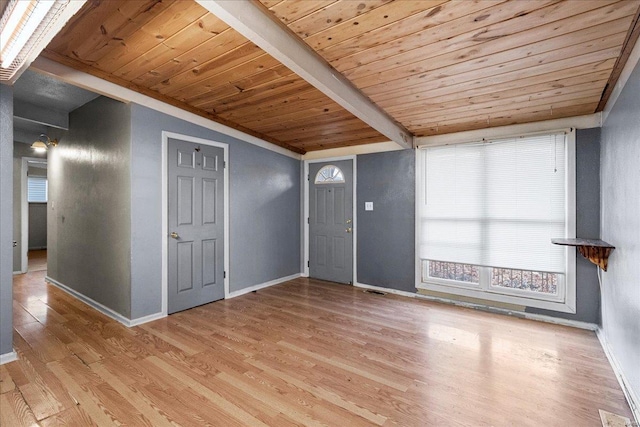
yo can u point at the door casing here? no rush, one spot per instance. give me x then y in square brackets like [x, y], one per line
[305, 234]
[165, 207]
[24, 211]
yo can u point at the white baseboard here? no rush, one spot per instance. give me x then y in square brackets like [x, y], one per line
[520, 314]
[387, 290]
[90, 302]
[15, 273]
[146, 319]
[629, 394]
[8, 357]
[263, 285]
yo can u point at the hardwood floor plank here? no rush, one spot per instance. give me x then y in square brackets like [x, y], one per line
[72, 417]
[6, 382]
[131, 394]
[14, 411]
[85, 396]
[305, 352]
[212, 396]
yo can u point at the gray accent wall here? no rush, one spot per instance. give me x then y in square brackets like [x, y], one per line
[386, 235]
[6, 220]
[587, 226]
[620, 226]
[264, 209]
[89, 218]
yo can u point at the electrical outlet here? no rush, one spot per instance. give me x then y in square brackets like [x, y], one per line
[368, 206]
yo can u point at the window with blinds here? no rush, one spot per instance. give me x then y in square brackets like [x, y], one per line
[487, 214]
[37, 189]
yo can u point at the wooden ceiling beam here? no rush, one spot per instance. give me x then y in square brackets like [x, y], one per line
[256, 23]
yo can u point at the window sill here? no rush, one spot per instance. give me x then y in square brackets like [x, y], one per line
[562, 307]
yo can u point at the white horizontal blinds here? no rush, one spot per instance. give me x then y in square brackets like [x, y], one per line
[451, 218]
[37, 189]
[526, 203]
[496, 204]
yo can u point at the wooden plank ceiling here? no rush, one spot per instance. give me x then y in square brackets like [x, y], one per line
[435, 66]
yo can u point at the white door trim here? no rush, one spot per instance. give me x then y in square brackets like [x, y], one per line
[24, 211]
[165, 214]
[306, 213]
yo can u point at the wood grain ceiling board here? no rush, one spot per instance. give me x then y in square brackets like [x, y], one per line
[447, 66]
[177, 52]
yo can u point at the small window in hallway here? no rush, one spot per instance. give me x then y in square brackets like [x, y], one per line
[37, 189]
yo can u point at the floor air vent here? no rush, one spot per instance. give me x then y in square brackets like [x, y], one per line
[373, 291]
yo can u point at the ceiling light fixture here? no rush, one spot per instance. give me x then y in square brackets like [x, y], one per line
[16, 13]
[31, 18]
[41, 146]
[26, 28]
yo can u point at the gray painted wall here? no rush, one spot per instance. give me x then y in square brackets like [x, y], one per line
[587, 225]
[90, 205]
[620, 225]
[6, 213]
[386, 235]
[37, 226]
[20, 150]
[264, 209]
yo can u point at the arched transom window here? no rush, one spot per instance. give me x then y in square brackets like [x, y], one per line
[329, 174]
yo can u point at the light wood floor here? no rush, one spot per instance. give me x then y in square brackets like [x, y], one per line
[37, 260]
[301, 353]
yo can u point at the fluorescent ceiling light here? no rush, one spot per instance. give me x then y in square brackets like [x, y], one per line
[17, 12]
[24, 34]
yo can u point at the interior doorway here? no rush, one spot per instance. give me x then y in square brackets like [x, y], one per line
[34, 192]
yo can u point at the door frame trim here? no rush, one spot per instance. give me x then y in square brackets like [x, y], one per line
[305, 234]
[24, 210]
[165, 206]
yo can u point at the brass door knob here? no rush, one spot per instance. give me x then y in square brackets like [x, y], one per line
[348, 230]
[174, 235]
[348, 221]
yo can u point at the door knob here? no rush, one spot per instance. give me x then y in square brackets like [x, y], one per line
[348, 221]
[174, 235]
[348, 230]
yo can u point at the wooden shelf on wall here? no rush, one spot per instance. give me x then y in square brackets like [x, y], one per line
[595, 250]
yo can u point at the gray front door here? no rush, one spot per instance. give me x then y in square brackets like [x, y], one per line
[196, 224]
[330, 221]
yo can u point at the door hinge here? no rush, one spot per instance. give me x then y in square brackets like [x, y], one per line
[308, 179]
[308, 220]
[308, 264]
[224, 165]
[225, 275]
